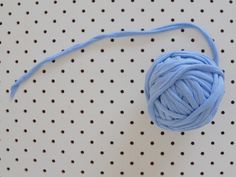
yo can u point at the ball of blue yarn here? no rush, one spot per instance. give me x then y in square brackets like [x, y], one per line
[183, 90]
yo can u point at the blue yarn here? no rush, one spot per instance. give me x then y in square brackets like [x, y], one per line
[183, 88]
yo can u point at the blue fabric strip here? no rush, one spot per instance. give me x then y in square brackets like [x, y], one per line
[99, 37]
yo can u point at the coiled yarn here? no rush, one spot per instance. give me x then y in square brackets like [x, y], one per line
[183, 88]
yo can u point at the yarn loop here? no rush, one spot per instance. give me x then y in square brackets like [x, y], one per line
[183, 88]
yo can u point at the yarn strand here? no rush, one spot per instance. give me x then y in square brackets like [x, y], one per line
[120, 34]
